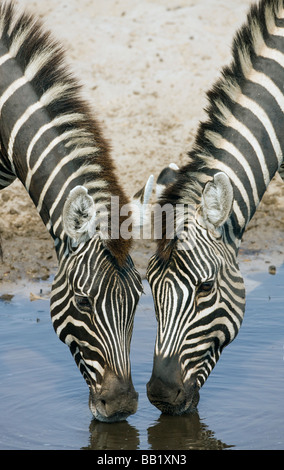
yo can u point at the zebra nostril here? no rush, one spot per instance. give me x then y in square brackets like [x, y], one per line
[179, 396]
[103, 402]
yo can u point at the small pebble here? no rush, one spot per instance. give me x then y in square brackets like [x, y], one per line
[272, 269]
[6, 297]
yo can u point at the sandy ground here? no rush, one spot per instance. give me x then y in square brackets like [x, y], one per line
[146, 67]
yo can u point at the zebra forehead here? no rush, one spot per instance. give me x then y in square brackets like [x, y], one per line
[94, 268]
[188, 267]
[200, 266]
[196, 245]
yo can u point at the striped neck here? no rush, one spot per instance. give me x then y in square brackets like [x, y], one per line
[243, 136]
[49, 138]
[246, 128]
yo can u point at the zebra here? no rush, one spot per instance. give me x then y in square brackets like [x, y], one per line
[51, 142]
[165, 178]
[197, 286]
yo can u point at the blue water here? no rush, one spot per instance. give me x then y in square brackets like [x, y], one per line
[44, 399]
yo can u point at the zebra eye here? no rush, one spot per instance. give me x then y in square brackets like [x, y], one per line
[83, 302]
[205, 287]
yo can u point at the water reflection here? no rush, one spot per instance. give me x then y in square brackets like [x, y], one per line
[167, 433]
[113, 436]
[182, 433]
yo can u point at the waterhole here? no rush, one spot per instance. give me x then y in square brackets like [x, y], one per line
[44, 399]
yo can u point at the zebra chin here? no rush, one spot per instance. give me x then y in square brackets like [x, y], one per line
[114, 399]
[167, 391]
[185, 400]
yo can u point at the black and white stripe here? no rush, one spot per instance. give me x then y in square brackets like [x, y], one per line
[52, 144]
[198, 290]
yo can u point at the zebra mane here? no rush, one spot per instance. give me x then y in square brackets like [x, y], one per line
[43, 61]
[262, 20]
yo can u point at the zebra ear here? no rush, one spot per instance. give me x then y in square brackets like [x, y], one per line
[140, 203]
[216, 201]
[166, 177]
[79, 215]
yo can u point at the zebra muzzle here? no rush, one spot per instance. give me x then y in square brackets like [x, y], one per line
[167, 391]
[114, 400]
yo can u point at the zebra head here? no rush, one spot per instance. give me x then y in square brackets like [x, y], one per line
[94, 297]
[198, 293]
